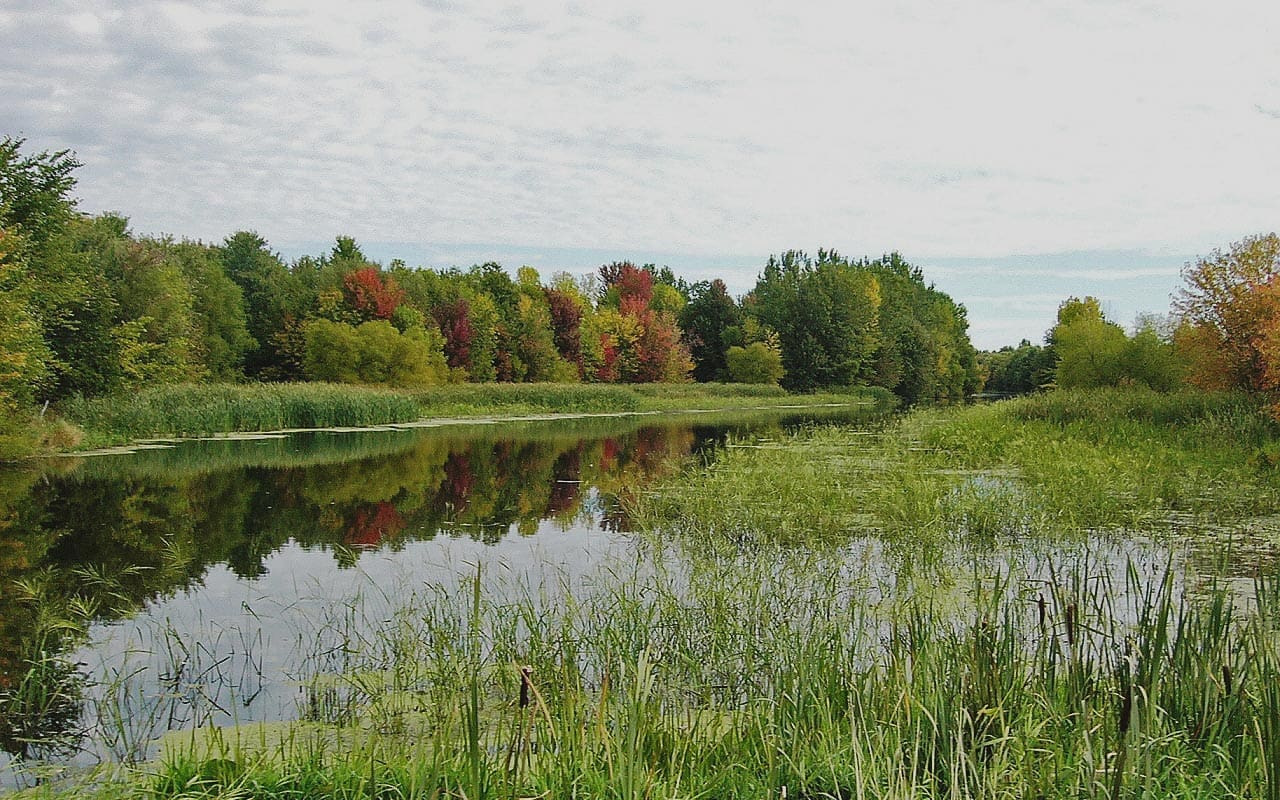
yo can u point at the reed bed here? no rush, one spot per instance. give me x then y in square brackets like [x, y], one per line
[472, 399]
[768, 674]
[203, 410]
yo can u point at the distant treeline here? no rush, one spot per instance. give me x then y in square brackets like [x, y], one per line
[1222, 333]
[92, 309]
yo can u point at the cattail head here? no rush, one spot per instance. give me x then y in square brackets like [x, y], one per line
[525, 672]
[1040, 608]
[1071, 624]
[1226, 679]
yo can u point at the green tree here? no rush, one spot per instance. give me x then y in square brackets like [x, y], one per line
[1149, 357]
[220, 322]
[24, 356]
[826, 315]
[373, 353]
[704, 319]
[1090, 348]
[61, 291]
[155, 318]
[35, 193]
[1026, 368]
[273, 296]
[756, 363]
[924, 352]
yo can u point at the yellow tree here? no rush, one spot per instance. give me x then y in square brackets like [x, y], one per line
[1229, 307]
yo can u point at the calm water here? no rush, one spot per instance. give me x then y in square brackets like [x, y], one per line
[206, 571]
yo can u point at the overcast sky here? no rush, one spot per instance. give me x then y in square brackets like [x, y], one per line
[1020, 152]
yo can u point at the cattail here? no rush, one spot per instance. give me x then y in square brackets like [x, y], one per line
[525, 672]
[1126, 704]
[1040, 607]
[1226, 679]
[1071, 624]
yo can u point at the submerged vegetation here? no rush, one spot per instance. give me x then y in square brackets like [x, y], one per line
[1055, 464]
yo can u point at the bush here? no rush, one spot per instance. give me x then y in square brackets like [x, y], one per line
[755, 363]
[374, 353]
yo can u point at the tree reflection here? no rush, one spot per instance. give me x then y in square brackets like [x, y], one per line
[153, 524]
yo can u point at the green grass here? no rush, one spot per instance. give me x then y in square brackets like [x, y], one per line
[205, 410]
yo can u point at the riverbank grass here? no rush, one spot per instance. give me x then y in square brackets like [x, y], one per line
[205, 410]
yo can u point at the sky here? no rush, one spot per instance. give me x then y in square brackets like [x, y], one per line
[1019, 152]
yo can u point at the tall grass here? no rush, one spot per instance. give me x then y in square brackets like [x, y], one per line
[769, 675]
[202, 410]
[469, 399]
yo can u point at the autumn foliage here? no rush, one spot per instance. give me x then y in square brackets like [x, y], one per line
[1230, 309]
[370, 295]
[639, 344]
[454, 319]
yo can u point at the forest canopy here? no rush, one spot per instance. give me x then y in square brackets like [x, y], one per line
[92, 308]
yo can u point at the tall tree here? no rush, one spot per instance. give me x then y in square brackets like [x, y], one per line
[1090, 348]
[638, 342]
[223, 336]
[273, 297]
[23, 354]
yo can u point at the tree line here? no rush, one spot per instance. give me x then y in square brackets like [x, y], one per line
[1222, 333]
[92, 309]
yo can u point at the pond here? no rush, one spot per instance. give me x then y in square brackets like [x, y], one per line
[193, 579]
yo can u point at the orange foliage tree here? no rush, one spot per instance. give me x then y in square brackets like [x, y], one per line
[372, 296]
[1231, 311]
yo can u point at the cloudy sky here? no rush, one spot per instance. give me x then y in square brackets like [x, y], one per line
[1019, 151]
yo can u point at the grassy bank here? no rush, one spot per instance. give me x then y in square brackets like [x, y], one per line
[204, 410]
[764, 675]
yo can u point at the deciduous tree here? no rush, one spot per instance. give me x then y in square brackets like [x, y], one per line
[1226, 298]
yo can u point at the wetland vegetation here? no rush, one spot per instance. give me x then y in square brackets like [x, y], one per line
[1066, 595]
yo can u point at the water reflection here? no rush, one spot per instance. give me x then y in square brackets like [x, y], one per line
[96, 539]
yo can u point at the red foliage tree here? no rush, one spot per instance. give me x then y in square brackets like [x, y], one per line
[566, 325]
[371, 296]
[653, 349]
[454, 319]
[630, 280]
[607, 372]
